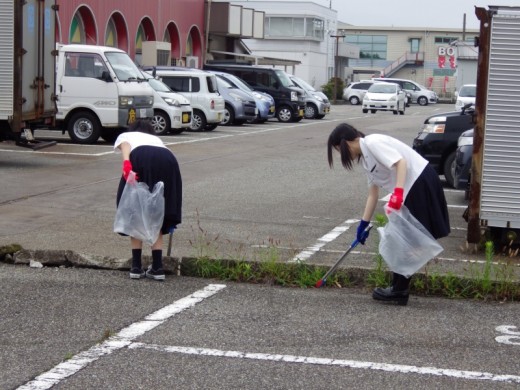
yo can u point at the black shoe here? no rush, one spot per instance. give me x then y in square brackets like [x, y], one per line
[155, 274]
[389, 295]
[137, 273]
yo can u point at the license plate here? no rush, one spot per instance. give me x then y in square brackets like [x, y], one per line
[131, 116]
[271, 109]
[256, 111]
[327, 109]
[301, 112]
[142, 113]
[185, 118]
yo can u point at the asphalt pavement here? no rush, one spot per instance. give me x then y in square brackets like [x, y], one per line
[245, 188]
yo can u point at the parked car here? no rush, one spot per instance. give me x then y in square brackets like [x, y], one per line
[200, 88]
[317, 104]
[462, 166]
[419, 93]
[264, 102]
[466, 94]
[385, 97]
[355, 92]
[171, 111]
[239, 107]
[437, 140]
[289, 100]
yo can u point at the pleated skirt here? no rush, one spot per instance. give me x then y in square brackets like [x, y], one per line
[153, 164]
[427, 203]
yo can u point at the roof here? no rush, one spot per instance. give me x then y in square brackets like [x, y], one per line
[258, 60]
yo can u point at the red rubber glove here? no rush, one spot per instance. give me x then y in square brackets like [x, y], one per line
[396, 200]
[127, 168]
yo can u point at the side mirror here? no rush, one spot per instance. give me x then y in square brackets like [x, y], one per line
[105, 76]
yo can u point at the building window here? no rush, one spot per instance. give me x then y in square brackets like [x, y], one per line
[77, 30]
[289, 27]
[447, 40]
[414, 45]
[370, 46]
[111, 34]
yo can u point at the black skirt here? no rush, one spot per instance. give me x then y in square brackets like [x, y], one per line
[153, 164]
[427, 203]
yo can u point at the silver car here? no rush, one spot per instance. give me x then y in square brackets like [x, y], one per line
[355, 92]
[317, 104]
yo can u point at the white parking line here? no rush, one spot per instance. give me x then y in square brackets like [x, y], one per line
[120, 340]
[394, 368]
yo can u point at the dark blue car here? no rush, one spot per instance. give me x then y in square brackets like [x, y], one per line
[461, 175]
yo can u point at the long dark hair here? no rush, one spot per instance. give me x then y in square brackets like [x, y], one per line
[142, 125]
[343, 132]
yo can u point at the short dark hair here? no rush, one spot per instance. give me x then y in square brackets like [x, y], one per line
[343, 132]
[142, 125]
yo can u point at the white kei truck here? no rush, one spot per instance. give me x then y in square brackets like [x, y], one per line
[100, 91]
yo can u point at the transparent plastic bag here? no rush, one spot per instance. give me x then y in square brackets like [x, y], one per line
[140, 213]
[405, 244]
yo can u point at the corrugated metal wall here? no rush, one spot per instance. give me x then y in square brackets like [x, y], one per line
[500, 194]
[6, 58]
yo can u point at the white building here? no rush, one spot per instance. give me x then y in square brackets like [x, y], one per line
[302, 33]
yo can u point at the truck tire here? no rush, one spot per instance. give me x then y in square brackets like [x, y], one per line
[198, 121]
[84, 128]
[284, 114]
[161, 123]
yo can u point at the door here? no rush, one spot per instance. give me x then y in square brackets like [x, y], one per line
[80, 85]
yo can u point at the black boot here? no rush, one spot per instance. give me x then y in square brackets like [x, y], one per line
[398, 292]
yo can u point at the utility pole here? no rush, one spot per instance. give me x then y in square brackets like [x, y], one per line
[336, 66]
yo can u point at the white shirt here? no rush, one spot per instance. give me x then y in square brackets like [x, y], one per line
[137, 138]
[379, 154]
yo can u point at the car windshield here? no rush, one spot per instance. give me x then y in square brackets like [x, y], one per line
[238, 82]
[468, 91]
[303, 84]
[284, 78]
[382, 88]
[123, 66]
[158, 85]
[222, 83]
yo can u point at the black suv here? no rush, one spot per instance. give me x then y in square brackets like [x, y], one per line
[437, 141]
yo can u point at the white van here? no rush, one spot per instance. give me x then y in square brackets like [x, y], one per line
[419, 93]
[100, 91]
[201, 89]
[171, 111]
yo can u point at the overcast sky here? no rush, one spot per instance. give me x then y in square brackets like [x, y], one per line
[411, 13]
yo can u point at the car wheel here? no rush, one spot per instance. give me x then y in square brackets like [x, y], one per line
[354, 100]
[229, 116]
[395, 112]
[401, 112]
[364, 111]
[84, 128]
[160, 123]
[373, 111]
[284, 114]
[449, 169]
[198, 121]
[311, 111]
[422, 100]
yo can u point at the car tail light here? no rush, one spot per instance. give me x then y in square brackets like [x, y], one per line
[212, 105]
